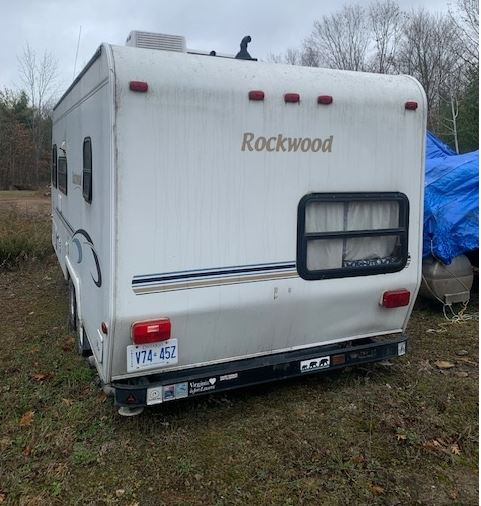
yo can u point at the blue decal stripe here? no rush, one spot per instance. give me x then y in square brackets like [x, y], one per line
[212, 273]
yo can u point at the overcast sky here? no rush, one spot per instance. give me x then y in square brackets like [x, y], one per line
[53, 25]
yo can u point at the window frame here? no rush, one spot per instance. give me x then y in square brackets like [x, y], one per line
[88, 197]
[343, 272]
[54, 166]
[64, 190]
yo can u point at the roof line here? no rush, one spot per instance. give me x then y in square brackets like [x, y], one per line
[82, 72]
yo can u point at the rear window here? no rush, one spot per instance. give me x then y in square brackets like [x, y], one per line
[351, 234]
[62, 174]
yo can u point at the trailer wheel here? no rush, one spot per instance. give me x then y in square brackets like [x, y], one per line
[81, 343]
[72, 314]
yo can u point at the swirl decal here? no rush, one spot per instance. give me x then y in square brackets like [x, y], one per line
[89, 243]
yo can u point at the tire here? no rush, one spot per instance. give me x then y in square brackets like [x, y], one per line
[81, 342]
[72, 306]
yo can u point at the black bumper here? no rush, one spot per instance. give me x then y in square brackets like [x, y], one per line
[176, 385]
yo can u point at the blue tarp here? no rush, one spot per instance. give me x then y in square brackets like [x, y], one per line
[451, 201]
[435, 148]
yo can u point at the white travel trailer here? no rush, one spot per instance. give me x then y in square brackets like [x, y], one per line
[226, 222]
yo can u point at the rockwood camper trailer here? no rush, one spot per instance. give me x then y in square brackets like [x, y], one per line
[224, 222]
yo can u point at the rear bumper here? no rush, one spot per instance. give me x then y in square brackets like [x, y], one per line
[176, 385]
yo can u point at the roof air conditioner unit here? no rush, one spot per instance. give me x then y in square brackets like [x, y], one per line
[149, 40]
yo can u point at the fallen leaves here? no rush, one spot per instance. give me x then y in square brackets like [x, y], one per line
[455, 449]
[41, 376]
[377, 489]
[444, 364]
[358, 459]
[103, 397]
[441, 445]
[68, 344]
[26, 419]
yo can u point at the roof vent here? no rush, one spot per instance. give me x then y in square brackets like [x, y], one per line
[149, 40]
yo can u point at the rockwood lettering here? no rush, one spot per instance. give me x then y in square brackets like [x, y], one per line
[280, 143]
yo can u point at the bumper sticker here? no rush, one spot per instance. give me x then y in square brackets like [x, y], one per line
[314, 364]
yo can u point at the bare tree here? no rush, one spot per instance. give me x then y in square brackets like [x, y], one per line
[341, 40]
[305, 56]
[385, 21]
[466, 19]
[291, 57]
[39, 77]
[429, 52]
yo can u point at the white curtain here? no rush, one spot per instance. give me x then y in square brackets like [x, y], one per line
[347, 216]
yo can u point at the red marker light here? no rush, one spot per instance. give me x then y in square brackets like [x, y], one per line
[138, 86]
[104, 328]
[151, 331]
[324, 99]
[396, 298]
[292, 98]
[256, 95]
[411, 105]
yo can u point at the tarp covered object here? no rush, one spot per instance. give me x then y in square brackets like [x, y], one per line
[435, 148]
[451, 201]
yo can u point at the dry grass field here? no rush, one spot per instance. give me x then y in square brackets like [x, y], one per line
[401, 433]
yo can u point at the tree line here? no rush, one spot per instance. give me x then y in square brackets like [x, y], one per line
[26, 125]
[438, 49]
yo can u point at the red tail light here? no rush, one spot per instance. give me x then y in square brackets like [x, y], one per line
[151, 331]
[396, 298]
[138, 86]
[292, 97]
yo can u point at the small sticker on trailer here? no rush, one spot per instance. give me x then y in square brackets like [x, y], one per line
[314, 364]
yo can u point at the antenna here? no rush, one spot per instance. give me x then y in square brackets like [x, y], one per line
[76, 53]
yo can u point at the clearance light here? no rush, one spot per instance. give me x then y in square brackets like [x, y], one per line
[256, 95]
[138, 86]
[324, 99]
[151, 331]
[104, 328]
[292, 98]
[411, 105]
[396, 298]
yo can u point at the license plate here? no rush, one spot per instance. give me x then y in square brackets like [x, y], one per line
[147, 356]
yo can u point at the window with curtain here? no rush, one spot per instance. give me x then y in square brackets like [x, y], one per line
[355, 234]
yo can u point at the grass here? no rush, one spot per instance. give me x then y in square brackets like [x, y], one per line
[402, 434]
[23, 238]
[17, 194]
